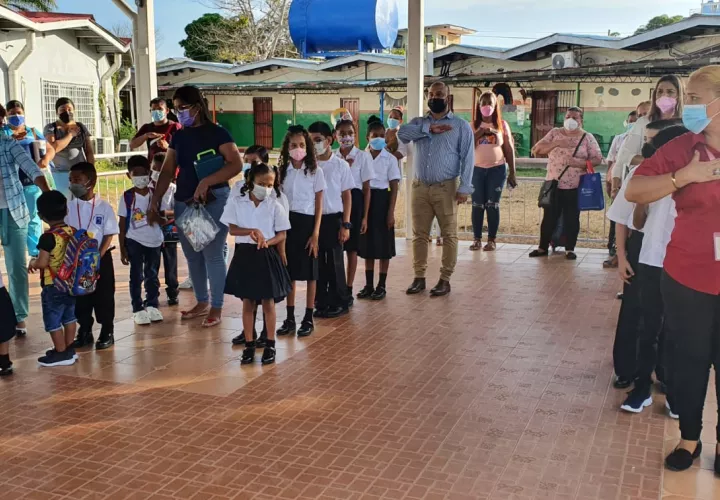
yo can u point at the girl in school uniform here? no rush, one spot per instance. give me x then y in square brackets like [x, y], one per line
[377, 238]
[361, 168]
[257, 274]
[303, 183]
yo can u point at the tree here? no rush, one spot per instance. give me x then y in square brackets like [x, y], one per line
[658, 22]
[613, 33]
[36, 5]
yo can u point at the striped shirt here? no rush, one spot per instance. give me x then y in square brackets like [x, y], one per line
[442, 157]
[12, 157]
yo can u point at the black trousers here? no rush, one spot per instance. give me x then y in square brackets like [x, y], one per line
[170, 266]
[332, 289]
[630, 320]
[611, 239]
[566, 206]
[693, 333]
[650, 344]
[102, 302]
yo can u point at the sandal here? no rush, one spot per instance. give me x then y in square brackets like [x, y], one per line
[186, 315]
[211, 322]
[539, 253]
[475, 245]
[490, 246]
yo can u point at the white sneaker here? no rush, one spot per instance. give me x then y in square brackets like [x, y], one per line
[670, 411]
[141, 318]
[154, 314]
[186, 285]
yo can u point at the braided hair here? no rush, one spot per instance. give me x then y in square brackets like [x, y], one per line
[259, 169]
[310, 161]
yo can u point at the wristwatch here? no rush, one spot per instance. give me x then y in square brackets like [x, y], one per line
[347, 225]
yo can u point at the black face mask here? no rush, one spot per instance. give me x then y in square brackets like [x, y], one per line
[65, 117]
[648, 150]
[437, 105]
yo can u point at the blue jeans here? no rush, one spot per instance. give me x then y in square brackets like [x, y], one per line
[210, 263]
[144, 268]
[14, 242]
[35, 226]
[58, 309]
[488, 184]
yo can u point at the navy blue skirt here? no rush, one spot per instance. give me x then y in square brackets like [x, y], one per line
[379, 240]
[257, 274]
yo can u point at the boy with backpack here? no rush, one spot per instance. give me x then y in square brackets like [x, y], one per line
[86, 210]
[141, 242]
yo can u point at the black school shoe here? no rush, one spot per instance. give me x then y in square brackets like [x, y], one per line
[262, 340]
[248, 356]
[268, 356]
[379, 293]
[288, 328]
[240, 339]
[622, 383]
[105, 340]
[680, 459]
[6, 370]
[306, 328]
[335, 311]
[321, 312]
[173, 301]
[83, 339]
[366, 293]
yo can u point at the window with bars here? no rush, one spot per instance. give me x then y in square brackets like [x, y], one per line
[566, 99]
[82, 95]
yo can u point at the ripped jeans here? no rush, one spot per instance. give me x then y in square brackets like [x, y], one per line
[488, 184]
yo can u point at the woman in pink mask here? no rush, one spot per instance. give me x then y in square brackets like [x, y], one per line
[494, 164]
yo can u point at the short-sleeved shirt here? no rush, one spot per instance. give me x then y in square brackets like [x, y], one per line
[74, 153]
[617, 143]
[96, 216]
[300, 188]
[338, 179]
[489, 149]
[54, 245]
[559, 158]
[187, 144]
[658, 231]
[26, 142]
[269, 216]
[386, 169]
[138, 227]
[621, 211]
[690, 258]
[361, 168]
[166, 129]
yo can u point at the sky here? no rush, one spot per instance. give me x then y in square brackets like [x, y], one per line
[499, 24]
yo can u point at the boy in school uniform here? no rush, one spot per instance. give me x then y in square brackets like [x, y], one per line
[333, 298]
[170, 234]
[141, 242]
[58, 306]
[86, 210]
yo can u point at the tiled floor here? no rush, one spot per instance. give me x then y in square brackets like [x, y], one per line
[500, 391]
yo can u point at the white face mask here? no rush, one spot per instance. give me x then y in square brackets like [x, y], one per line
[141, 182]
[571, 125]
[261, 192]
[155, 175]
[320, 148]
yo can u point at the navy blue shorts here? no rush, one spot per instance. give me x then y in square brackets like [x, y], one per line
[58, 309]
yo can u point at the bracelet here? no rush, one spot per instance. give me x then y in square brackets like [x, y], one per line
[674, 181]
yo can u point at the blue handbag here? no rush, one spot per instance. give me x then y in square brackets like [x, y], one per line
[207, 163]
[591, 195]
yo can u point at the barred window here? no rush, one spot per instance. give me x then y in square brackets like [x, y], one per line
[82, 95]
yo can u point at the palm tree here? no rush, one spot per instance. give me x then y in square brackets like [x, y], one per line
[37, 5]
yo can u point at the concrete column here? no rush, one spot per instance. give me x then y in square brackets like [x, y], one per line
[145, 60]
[415, 71]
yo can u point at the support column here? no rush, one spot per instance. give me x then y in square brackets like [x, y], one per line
[415, 72]
[145, 60]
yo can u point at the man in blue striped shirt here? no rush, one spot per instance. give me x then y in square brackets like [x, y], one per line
[443, 160]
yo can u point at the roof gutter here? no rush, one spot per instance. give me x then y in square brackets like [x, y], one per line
[14, 66]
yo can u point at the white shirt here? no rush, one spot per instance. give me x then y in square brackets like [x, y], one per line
[615, 147]
[658, 230]
[338, 179]
[269, 216]
[2, 285]
[300, 189]
[361, 168]
[631, 147]
[386, 169]
[621, 210]
[96, 216]
[138, 228]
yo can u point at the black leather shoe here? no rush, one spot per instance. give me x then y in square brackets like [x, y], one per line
[173, 301]
[105, 340]
[418, 285]
[379, 293]
[268, 356]
[6, 371]
[680, 459]
[240, 339]
[248, 356]
[288, 328]
[262, 340]
[441, 289]
[320, 312]
[83, 339]
[306, 329]
[365, 293]
[622, 383]
[335, 312]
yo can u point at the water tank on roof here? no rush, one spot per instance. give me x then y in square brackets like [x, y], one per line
[329, 27]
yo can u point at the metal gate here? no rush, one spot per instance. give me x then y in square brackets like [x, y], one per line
[262, 119]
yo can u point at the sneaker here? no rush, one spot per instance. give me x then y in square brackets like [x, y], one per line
[71, 351]
[6, 370]
[141, 318]
[638, 399]
[186, 285]
[54, 358]
[154, 314]
[670, 412]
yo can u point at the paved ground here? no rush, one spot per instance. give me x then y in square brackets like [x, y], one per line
[500, 391]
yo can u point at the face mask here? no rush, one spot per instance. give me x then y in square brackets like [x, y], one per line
[629, 126]
[155, 175]
[66, 117]
[78, 190]
[141, 182]
[320, 148]
[487, 111]
[648, 150]
[261, 192]
[378, 143]
[393, 123]
[158, 115]
[298, 154]
[695, 117]
[347, 141]
[246, 167]
[16, 120]
[185, 118]
[666, 104]
[437, 105]
[571, 125]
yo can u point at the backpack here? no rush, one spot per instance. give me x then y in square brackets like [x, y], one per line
[79, 271]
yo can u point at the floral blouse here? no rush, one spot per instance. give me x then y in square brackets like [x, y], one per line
[559, 158]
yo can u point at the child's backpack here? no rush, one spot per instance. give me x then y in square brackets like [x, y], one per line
[79, 272]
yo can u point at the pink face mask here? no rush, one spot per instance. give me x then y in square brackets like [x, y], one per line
[487, 111]
[298, 154]
[666, 104]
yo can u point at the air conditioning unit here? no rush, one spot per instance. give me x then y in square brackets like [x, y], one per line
[103, 145]
[562, 60]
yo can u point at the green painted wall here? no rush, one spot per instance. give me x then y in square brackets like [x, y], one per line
[240, 126]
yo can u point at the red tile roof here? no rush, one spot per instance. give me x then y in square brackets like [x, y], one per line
[53, 17]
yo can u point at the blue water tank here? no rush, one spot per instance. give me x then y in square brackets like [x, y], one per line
[326, 26]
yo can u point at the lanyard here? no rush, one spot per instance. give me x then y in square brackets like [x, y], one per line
[92, 212]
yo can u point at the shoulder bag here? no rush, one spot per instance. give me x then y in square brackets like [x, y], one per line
[548, 191]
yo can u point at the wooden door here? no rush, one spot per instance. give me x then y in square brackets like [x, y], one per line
[544, 109]
[353, 107]
[262, 119]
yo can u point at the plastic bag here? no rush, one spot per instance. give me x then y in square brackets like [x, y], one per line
[197, 226]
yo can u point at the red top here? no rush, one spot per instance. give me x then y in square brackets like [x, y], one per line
[690, 258]
[166, 129]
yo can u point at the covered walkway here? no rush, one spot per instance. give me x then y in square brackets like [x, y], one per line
[500, 391]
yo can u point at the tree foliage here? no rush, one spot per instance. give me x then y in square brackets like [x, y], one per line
[36, 5]
[658, 22]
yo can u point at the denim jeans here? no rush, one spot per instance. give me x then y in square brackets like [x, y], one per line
[14, 242]
[210, 262]
[35, 226]
[144, 268]
[488, 184]
[170, 265]
[58, 309]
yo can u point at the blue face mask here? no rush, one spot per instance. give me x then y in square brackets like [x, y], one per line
[629, 126]
[378, 143]
[158, 115]
[695, 117]
[393, 123]
[16, 120]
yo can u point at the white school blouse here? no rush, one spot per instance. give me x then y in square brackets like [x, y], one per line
[621, 210]
[338, 179]
[269, 216]
[658, 230]
[300, 188]
[361, 169]
[386, 169]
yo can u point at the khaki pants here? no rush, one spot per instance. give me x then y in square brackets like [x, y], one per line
[428, 202]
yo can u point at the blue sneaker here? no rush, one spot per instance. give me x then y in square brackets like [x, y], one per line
[637, 400]
[54, 358]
